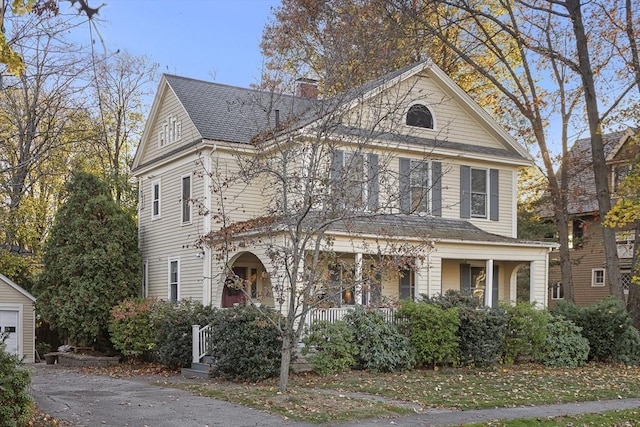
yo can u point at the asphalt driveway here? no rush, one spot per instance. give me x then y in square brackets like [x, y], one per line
[99, 400]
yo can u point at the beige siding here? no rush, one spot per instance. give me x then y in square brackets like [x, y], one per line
[10, 298]
[589, 256]
[169, 105]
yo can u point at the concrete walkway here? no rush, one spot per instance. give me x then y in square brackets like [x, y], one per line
[100, 400]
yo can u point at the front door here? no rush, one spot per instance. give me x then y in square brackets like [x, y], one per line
[9, 325]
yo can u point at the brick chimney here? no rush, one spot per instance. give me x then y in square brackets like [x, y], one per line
[307, 88]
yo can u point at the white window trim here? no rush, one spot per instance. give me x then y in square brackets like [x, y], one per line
[153, 200]
[169, 261]
[593, 277]
[555, 287]
[189, 203]
[429, 184]
[365, 173]
[425, 104]
[487, 202]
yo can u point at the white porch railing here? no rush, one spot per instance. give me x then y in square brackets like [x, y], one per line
[201, 336]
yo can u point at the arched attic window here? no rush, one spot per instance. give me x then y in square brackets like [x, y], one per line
[420, 116]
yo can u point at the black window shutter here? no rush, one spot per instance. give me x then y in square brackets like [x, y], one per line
[405, 199]
[436, 188]
[465, 278]
[494, 194]
[465, 192]
[373, 183]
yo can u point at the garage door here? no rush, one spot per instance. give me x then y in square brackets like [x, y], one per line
[9, 323]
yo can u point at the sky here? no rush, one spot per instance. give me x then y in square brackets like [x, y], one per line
[215, 40]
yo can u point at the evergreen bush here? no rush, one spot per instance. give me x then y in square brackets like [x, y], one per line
[171, 324]
[245, 343]
[432, 331]
[131, 329]
[564, 344]
[481, 336]
[525, 333]
[329, 347]
[381, 347]
[607, 325]
[16, 405]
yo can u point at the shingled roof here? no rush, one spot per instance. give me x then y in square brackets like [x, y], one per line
[581, 188]
[233, 114]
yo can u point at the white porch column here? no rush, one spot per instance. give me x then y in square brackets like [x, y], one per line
[358, 290]
[488, 287]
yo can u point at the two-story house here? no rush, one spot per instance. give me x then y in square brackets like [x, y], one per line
[426, 166]
[585, 228]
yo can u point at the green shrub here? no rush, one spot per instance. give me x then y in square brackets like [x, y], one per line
[245, 344]
[329, 347]
[627, 349]
[431, 331]
[453, 298]
[16, 406]
[481, 336]
[131, 329]
[564, 344]
[606, 325]
[172, 323]
[525, 332]
[381, 347]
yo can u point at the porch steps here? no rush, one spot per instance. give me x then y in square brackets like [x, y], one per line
[198, 370]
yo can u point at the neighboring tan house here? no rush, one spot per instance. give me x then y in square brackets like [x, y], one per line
[450, 175]
[585, 228]
[17, 318]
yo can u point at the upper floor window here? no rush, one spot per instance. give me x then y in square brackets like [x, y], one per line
[597, 277]
[420, 186]
[186, 199]
[420, 116]
[171, 130]
[479, 193]
[155, 200]
[354, 180]
[620, 172]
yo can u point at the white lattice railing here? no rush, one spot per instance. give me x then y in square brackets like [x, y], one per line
[202, 335]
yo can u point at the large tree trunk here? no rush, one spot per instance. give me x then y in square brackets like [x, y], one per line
[633, 302]
[285, 363]
[597, 147]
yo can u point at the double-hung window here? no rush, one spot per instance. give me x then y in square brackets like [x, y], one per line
[420, 186]
[478, 193]
[186, 199]
[155, 200]
[174, 279]
[354, 180]
[597, 277]
[557, 291]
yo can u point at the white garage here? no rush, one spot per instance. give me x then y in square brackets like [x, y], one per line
[17, 318]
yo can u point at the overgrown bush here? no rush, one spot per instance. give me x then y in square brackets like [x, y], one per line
[432, 331]
[381, 347]
[481, 336]
[329, 347]
[171, 323]
[564, 344]
[606, 324]
[16, 406]
[131, 329]
[245, 344]
[627, 349]
[525, 332]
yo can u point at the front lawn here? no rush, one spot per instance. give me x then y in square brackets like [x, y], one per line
[361, 395]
